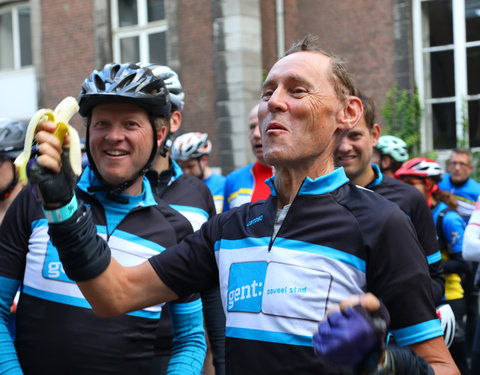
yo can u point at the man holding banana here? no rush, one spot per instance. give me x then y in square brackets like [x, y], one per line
[126, 108]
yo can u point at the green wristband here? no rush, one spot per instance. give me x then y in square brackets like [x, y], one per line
[63, 213]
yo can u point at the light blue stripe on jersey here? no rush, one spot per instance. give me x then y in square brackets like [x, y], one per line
[195, 210]
[186, 308]
[275, 337]
[434, 258]
[418, 332]
[79, 302]
[329, 183]
[39, 223]
[288, 244]
[101, 229]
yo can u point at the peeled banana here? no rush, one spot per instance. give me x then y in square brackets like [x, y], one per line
[61, 115]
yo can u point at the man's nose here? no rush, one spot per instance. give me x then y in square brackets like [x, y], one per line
[277, 101]
[343, 144]
[115, 133]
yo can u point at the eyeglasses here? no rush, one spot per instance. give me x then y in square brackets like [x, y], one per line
[458, 163]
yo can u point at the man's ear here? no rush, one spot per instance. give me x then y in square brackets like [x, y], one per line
[161, 134]
[175, 121]
[375, 134]
[351, 113]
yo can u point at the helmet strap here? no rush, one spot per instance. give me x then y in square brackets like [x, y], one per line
[202, 170]
[432, 188]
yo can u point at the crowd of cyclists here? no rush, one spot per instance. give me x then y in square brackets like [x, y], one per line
[167, 190]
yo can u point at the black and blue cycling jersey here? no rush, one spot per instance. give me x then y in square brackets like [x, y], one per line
[57, 331]
[336, 240]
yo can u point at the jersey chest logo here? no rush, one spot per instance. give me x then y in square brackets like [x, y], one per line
[278, 289]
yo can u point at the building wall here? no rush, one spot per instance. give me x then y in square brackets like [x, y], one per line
[67, 49]
[196, 70]
[359, 31]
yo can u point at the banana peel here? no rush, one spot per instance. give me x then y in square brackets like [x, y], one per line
[60, 115]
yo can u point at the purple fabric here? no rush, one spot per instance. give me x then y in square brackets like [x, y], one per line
[350, 337]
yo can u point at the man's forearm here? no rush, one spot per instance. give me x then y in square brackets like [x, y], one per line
[436, 354]
[189, 347]
[8, 355]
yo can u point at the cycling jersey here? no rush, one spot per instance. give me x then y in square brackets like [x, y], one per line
[414, 204]
[336, 240]
[466, 194]
[57, 332]
[216, 184]
[452, 230]
[246, 185]
[185, 193]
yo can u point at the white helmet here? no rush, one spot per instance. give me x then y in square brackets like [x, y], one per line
[447, 321]
[191, 146]
[171, 80]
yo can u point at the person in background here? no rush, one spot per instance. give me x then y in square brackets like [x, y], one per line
[127, 109]
[459, 183]
[354, 154]
[247, 184]
[316, 243]
[466, 192]
[12, 138]
[389, 154]
[471, 252]
[424, 174]
[191, 197]
[191, 152]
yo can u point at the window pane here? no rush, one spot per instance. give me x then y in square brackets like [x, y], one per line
[444, 128]
[442, 74]
[472, 15]
[440, 24]
[473, 73]
[474, 122]
[25, 36]
[6, 41]
[156, 10]
[158, 48]
[129, 49]
[127, 13]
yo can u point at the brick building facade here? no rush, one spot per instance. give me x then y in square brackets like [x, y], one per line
[222, 50]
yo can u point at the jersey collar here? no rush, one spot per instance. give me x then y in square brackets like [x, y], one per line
[145, 199]
[378, 177]
[320, 185]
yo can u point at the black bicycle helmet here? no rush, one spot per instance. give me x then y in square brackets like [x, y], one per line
[12, 138]
[124, 83]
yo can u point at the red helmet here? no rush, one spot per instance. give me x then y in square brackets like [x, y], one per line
[420, 168]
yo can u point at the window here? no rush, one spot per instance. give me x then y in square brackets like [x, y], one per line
[447, 54]
[139, 31]
[15, 38]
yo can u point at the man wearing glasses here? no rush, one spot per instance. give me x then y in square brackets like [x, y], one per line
[459, 183]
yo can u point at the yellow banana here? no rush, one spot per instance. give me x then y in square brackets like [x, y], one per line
[61, 115]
